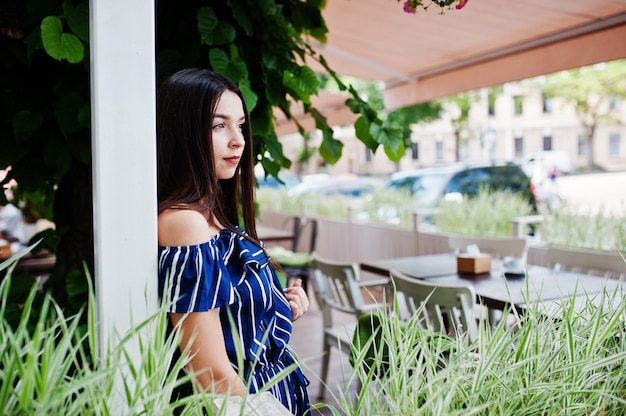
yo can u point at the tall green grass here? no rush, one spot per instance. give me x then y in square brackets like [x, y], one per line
[487, 215]
[50, 366]
[602, 230]
[570, 362]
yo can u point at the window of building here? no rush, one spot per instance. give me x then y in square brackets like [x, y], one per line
[547, 142]
[415, 151]
[519, 146]
[547, 105]
[439, 150]
[368, 155]
[491, 103]
[582, 146]
[491, 108]
[614, 144]
[615, 103]
[518, 105]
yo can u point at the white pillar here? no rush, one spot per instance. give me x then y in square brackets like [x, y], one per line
[124, 164]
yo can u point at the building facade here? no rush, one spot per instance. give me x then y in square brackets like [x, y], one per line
[518, 122]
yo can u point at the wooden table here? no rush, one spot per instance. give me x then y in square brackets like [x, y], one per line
[493, 289]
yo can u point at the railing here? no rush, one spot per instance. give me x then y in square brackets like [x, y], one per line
[346, 240]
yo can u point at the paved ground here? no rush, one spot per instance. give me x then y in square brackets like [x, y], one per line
[306, 340]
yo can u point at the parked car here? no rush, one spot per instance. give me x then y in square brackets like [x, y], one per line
[346, 185]
[451, 182]
[289, 180]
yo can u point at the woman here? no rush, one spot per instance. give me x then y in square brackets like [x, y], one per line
[223, 294]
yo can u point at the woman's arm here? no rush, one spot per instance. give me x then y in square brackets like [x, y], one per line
[202, 329]
[208, 352]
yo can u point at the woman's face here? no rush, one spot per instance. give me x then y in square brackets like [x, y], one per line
[227, 132]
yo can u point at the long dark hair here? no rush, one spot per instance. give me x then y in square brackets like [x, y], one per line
[186, 105]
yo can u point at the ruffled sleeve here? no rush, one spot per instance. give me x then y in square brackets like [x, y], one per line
[195, 278]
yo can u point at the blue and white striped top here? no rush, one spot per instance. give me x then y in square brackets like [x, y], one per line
[232, 273]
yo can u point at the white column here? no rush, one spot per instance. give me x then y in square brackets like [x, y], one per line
[124, 164]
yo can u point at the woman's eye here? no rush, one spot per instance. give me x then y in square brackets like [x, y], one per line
[240, 126]
[218, 125]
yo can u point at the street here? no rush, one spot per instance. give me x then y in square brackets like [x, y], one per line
[594, 191]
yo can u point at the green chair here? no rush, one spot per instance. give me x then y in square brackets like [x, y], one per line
[296, 262]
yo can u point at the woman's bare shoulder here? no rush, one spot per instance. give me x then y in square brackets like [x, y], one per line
[184, 227]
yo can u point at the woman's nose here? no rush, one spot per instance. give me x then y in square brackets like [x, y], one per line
[237, 139]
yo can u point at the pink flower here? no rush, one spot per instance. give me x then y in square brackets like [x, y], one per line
[409, 7]
[461, 4]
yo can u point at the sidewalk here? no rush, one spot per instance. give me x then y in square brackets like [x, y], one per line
[306, 341]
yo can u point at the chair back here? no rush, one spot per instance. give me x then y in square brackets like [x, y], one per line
[497, 247]
[596, 263]
[305, 234]
[441, 307]
[337, 288]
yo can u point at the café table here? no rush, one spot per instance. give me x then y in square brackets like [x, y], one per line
[493, 289]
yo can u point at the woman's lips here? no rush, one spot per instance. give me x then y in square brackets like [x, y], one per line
[233, 160]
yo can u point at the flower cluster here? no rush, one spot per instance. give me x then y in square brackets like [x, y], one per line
[410, 6]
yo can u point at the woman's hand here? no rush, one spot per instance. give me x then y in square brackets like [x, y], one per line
[298, 301]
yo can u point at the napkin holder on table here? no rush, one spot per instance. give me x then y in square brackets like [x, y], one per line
[473, 261]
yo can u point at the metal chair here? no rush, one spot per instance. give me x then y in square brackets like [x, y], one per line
[339, 289]
[442, 307]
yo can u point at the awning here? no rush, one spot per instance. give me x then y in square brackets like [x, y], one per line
[429, 55]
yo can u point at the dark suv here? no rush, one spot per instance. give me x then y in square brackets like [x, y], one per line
[431, 185]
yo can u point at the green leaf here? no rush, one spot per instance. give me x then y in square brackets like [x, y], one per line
[275, 149]
[25, 124]
[330, 149]
[237, 69]
[242, 17]
[362, 131]
[396, 155]
[249, 96]
[234, 68]
[388, 136]
[262, 122]
[219, 60]
[353, 105]
[60, 45]
[51, 31]
[77, 18]
[303, 82]
[75, 285]
[212, 30]
[270, 167]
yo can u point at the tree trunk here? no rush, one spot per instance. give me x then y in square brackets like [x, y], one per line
[591, 162]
